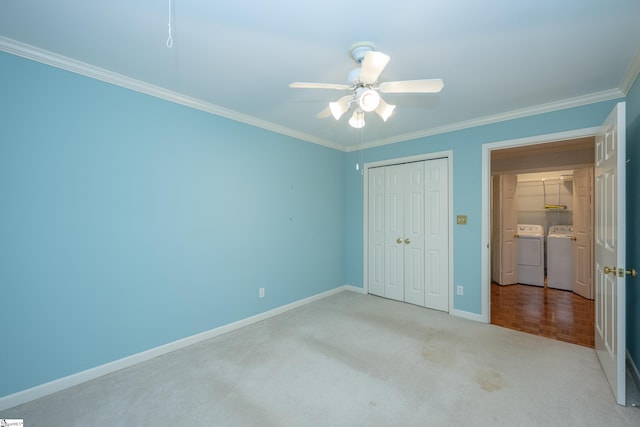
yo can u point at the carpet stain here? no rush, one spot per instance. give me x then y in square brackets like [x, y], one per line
[439, 348]
[489, 380]
[438, 353]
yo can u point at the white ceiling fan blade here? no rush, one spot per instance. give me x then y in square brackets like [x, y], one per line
[412, 86]
[384, 110]
[304, 85]
[372, 65]
[324, 113]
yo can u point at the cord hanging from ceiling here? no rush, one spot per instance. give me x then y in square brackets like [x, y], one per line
[170, 39]
[360, 163]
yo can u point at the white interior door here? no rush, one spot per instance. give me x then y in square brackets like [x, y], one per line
[436, 268]
[414, 221]
[495, 228]
[408, 233]
[394, 232]
[508, 214]
[376, 232]
[610, 328]
[583, 232]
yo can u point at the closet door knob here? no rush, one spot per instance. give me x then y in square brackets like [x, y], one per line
[399, 240]
[407, 241]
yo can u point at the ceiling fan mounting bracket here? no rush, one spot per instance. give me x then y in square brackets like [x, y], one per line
[358, 50]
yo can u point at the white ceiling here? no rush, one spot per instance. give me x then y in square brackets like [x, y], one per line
[498, 59]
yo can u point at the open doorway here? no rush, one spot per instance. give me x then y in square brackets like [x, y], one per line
[542, 239]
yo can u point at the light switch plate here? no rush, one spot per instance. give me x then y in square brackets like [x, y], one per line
[462, 219]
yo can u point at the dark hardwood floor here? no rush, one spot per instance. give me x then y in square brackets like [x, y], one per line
[552, 313]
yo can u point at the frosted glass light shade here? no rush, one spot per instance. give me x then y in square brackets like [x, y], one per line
[357, 120]
[338, 108]
[384, 110]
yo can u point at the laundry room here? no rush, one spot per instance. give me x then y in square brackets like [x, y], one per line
[543, 194]
[542, 239]
[536, 214]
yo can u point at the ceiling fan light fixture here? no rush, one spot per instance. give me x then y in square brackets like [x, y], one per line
[357, 119]
[385, 110]
[338, 108]
[364, 88]
[369, 100]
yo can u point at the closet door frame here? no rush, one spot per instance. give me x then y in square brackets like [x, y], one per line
[396, 161]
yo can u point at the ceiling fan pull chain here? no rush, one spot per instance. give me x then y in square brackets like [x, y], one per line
[170, 39]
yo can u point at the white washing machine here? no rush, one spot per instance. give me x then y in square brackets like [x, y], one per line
[531, 254]
[560, 257]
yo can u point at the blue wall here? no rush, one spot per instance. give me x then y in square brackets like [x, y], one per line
[633, 228]
[128, 222]
[467, 187]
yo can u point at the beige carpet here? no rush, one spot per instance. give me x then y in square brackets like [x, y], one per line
[350, 360]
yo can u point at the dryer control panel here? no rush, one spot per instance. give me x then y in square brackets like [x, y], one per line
[529, 229]
[561, 229]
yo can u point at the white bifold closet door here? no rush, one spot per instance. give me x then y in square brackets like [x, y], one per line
[408, 233]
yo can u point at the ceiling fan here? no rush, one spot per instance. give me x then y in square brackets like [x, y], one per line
[364, 87]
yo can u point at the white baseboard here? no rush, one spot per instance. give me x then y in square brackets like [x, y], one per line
[355, 289]
[468, 315]
[54, 386]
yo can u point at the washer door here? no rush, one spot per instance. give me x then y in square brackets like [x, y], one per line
[530, 251]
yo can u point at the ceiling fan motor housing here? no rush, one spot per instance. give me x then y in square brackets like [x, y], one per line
[354, 76]
[359, 50]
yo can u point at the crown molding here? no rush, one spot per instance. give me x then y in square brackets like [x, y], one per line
[632, 74]
[579, 101]
[59, 61]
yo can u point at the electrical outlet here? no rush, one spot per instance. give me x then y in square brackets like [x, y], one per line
[261, 292]
[460, 290]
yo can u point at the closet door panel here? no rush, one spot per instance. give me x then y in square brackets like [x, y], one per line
[376, 232]
[414, 232]
[394, 233]
[437, 234]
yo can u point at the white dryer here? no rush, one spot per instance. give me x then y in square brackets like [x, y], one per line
[531, 254]
[560, 257]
